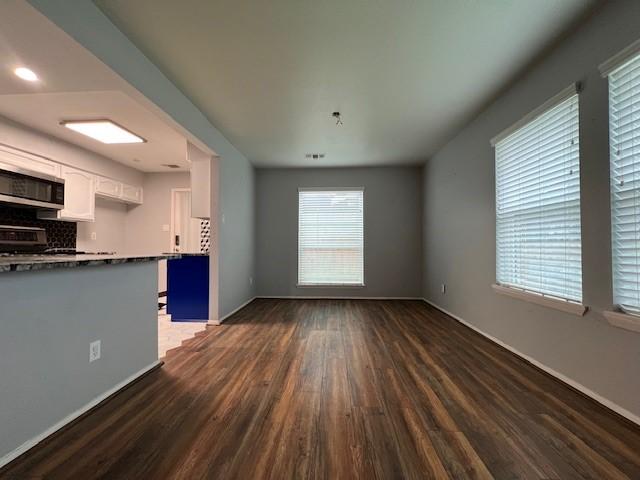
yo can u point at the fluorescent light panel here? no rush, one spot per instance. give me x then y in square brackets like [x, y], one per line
[104, 131]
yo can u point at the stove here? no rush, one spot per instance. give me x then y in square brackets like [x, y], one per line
[32, 241]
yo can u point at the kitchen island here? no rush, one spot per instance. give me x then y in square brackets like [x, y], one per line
[51, 309]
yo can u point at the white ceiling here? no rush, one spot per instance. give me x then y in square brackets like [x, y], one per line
[76, 85]
[405, 74]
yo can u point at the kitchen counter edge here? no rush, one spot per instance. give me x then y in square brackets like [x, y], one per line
[29, 264]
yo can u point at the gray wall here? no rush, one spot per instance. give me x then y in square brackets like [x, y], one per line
[47, 320]
[85, 23]
[459, 221]
[392, 229]
[237, 235]
[144, 233]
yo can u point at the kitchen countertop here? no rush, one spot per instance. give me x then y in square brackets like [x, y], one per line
[25, 263]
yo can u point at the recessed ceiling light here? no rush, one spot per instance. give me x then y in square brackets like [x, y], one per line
[26, 74]
[104, 131]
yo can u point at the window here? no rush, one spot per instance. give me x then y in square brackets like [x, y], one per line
[330, 237]
[538, 245]
[624, 142]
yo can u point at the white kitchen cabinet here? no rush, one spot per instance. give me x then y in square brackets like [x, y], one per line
[200, 182]
[115, 190]
[131, 194]
[33, 163]
[79, 197]
[108, 187]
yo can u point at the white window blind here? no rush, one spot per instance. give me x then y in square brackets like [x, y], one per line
[538, 245]
[330, 237]
[624, 133]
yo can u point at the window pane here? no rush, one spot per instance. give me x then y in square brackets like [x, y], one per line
[538, 245]
[330, 237]
[624, 133]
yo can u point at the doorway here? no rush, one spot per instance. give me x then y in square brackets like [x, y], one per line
[185, 230]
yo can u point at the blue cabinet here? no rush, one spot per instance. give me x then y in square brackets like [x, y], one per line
[188, 288]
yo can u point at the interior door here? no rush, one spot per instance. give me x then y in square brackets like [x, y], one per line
[185, 236]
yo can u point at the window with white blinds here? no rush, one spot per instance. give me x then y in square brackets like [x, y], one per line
[538, 245]
[330, 237]
[624, 141]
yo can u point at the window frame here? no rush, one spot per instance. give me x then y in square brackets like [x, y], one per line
[300, 284]
[618, 316]
[520, 292]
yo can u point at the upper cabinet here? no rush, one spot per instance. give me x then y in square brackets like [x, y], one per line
[109, 188]
[79, 197]
[28, 161]
[132, 194]
[200, 182]
[113, 189]
[80, 187]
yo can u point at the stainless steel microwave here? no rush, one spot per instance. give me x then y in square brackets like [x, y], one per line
[23, 187]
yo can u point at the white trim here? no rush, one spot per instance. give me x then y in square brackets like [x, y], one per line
[72, 416]
[327, 297]
[219, 322]
[568, 92]
[623, 320]
[540, 299]
[619, 59]
[330, 285]
[563, 378]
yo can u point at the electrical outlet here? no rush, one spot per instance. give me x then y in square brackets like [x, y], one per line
[222, 218]
[94, 350]
[443, 288]
[94, 236]
[165, 227]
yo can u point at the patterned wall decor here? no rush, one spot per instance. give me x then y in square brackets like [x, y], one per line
[59, 234]
[205, 236]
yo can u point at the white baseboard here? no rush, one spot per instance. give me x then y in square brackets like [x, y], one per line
[219, 322]
[578, 386]
[72, 416]
[324, 297]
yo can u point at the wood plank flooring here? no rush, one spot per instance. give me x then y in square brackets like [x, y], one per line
[335, 389]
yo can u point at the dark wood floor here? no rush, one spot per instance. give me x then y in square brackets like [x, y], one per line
[341, 389]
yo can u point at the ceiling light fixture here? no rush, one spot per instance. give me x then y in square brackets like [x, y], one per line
[104, 131]
[338, 118]
[26, 74]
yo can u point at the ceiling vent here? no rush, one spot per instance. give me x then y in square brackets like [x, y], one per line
[170, 165]
[315, 156]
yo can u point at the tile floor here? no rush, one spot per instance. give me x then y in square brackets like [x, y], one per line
[172, 334]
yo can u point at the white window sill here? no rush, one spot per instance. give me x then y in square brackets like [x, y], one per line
[623, 320]
[551, 302]
[330, 285]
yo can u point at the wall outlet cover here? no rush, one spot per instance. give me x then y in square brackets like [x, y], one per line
[165, 228]
[94, 350]
[94, 236]
[443, 288]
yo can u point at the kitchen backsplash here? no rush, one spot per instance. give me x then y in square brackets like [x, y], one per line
[59, 234]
